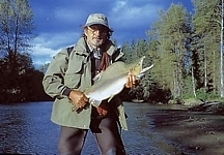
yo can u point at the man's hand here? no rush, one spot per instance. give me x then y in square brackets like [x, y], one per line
[131, 80]
[78, 98]
[102, 109]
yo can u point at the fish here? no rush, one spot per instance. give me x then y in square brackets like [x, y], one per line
[111, 81]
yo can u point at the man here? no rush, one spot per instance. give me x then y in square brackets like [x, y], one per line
[69, 74]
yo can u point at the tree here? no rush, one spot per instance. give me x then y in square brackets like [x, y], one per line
[221, 53]
[43, 68]
[207, 26]
[171, 32]
[126, 49]
[132, 52]
[16, 26]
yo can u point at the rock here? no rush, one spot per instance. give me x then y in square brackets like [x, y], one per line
[176, 101]
[215, 107]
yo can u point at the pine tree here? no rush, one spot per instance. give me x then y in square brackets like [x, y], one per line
[206, 24]
[171, 32]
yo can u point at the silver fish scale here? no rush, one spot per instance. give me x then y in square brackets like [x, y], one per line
[112, 81]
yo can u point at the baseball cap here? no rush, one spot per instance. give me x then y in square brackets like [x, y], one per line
[97, 18]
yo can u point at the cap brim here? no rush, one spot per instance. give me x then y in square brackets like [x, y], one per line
[95, 23]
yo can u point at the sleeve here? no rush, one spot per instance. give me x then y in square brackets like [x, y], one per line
[53, 81]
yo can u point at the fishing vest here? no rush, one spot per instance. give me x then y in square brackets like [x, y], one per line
[99, 61]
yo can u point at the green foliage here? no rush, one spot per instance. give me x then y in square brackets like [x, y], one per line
[202, 94]
[143, 89]
[19, 81]
[23, 83]
[184, 48]
[43, 68]
[206, 44]
[16, 26]
[171, 31]
[187, 89]
[132, 52]
[126, 49]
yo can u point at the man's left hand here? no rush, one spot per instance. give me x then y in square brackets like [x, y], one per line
[131, 80]
[102, 109]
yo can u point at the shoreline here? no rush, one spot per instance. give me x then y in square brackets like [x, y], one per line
[198, 133]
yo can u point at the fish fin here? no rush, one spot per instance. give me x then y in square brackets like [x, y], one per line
[143, 71]
[146, 69]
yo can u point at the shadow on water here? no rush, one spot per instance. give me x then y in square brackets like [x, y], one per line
[26, 129]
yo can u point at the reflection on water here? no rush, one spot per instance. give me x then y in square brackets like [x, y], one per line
[27, 129]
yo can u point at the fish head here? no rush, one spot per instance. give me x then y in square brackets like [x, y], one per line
[136, 67]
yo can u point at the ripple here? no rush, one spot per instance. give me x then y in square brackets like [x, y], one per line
[27, 129]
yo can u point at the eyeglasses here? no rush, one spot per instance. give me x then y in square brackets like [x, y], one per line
[94, 29]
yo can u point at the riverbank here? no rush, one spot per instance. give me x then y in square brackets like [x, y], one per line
[199, 133]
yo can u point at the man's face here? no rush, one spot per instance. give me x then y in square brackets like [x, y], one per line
[96, 35]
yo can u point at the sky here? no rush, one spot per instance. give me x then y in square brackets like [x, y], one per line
[58, 23]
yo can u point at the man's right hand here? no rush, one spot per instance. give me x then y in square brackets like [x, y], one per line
[78, 98]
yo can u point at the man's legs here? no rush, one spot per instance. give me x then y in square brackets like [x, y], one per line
[107, 136]
[71, 140]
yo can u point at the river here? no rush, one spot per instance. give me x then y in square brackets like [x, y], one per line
[25, 128]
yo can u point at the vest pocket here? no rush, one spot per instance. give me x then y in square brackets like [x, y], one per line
[73, 74]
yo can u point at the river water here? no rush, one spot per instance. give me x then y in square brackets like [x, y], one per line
[26, 128]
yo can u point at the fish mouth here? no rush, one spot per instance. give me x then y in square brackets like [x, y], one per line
[138, 66]
[141, 61]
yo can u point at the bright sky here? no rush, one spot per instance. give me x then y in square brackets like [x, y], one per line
[58, 22]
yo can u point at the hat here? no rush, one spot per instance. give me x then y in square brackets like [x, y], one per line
[97, 18]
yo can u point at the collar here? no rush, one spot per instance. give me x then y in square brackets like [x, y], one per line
[92, 49]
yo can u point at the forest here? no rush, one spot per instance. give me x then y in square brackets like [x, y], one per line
[186, 49]
[187, 52]
[20, 81]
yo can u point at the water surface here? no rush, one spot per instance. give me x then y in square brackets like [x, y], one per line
[26, 128]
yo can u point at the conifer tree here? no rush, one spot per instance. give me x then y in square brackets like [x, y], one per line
[206, 24]
[171, 32]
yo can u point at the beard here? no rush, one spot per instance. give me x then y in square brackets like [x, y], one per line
[95, 42]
